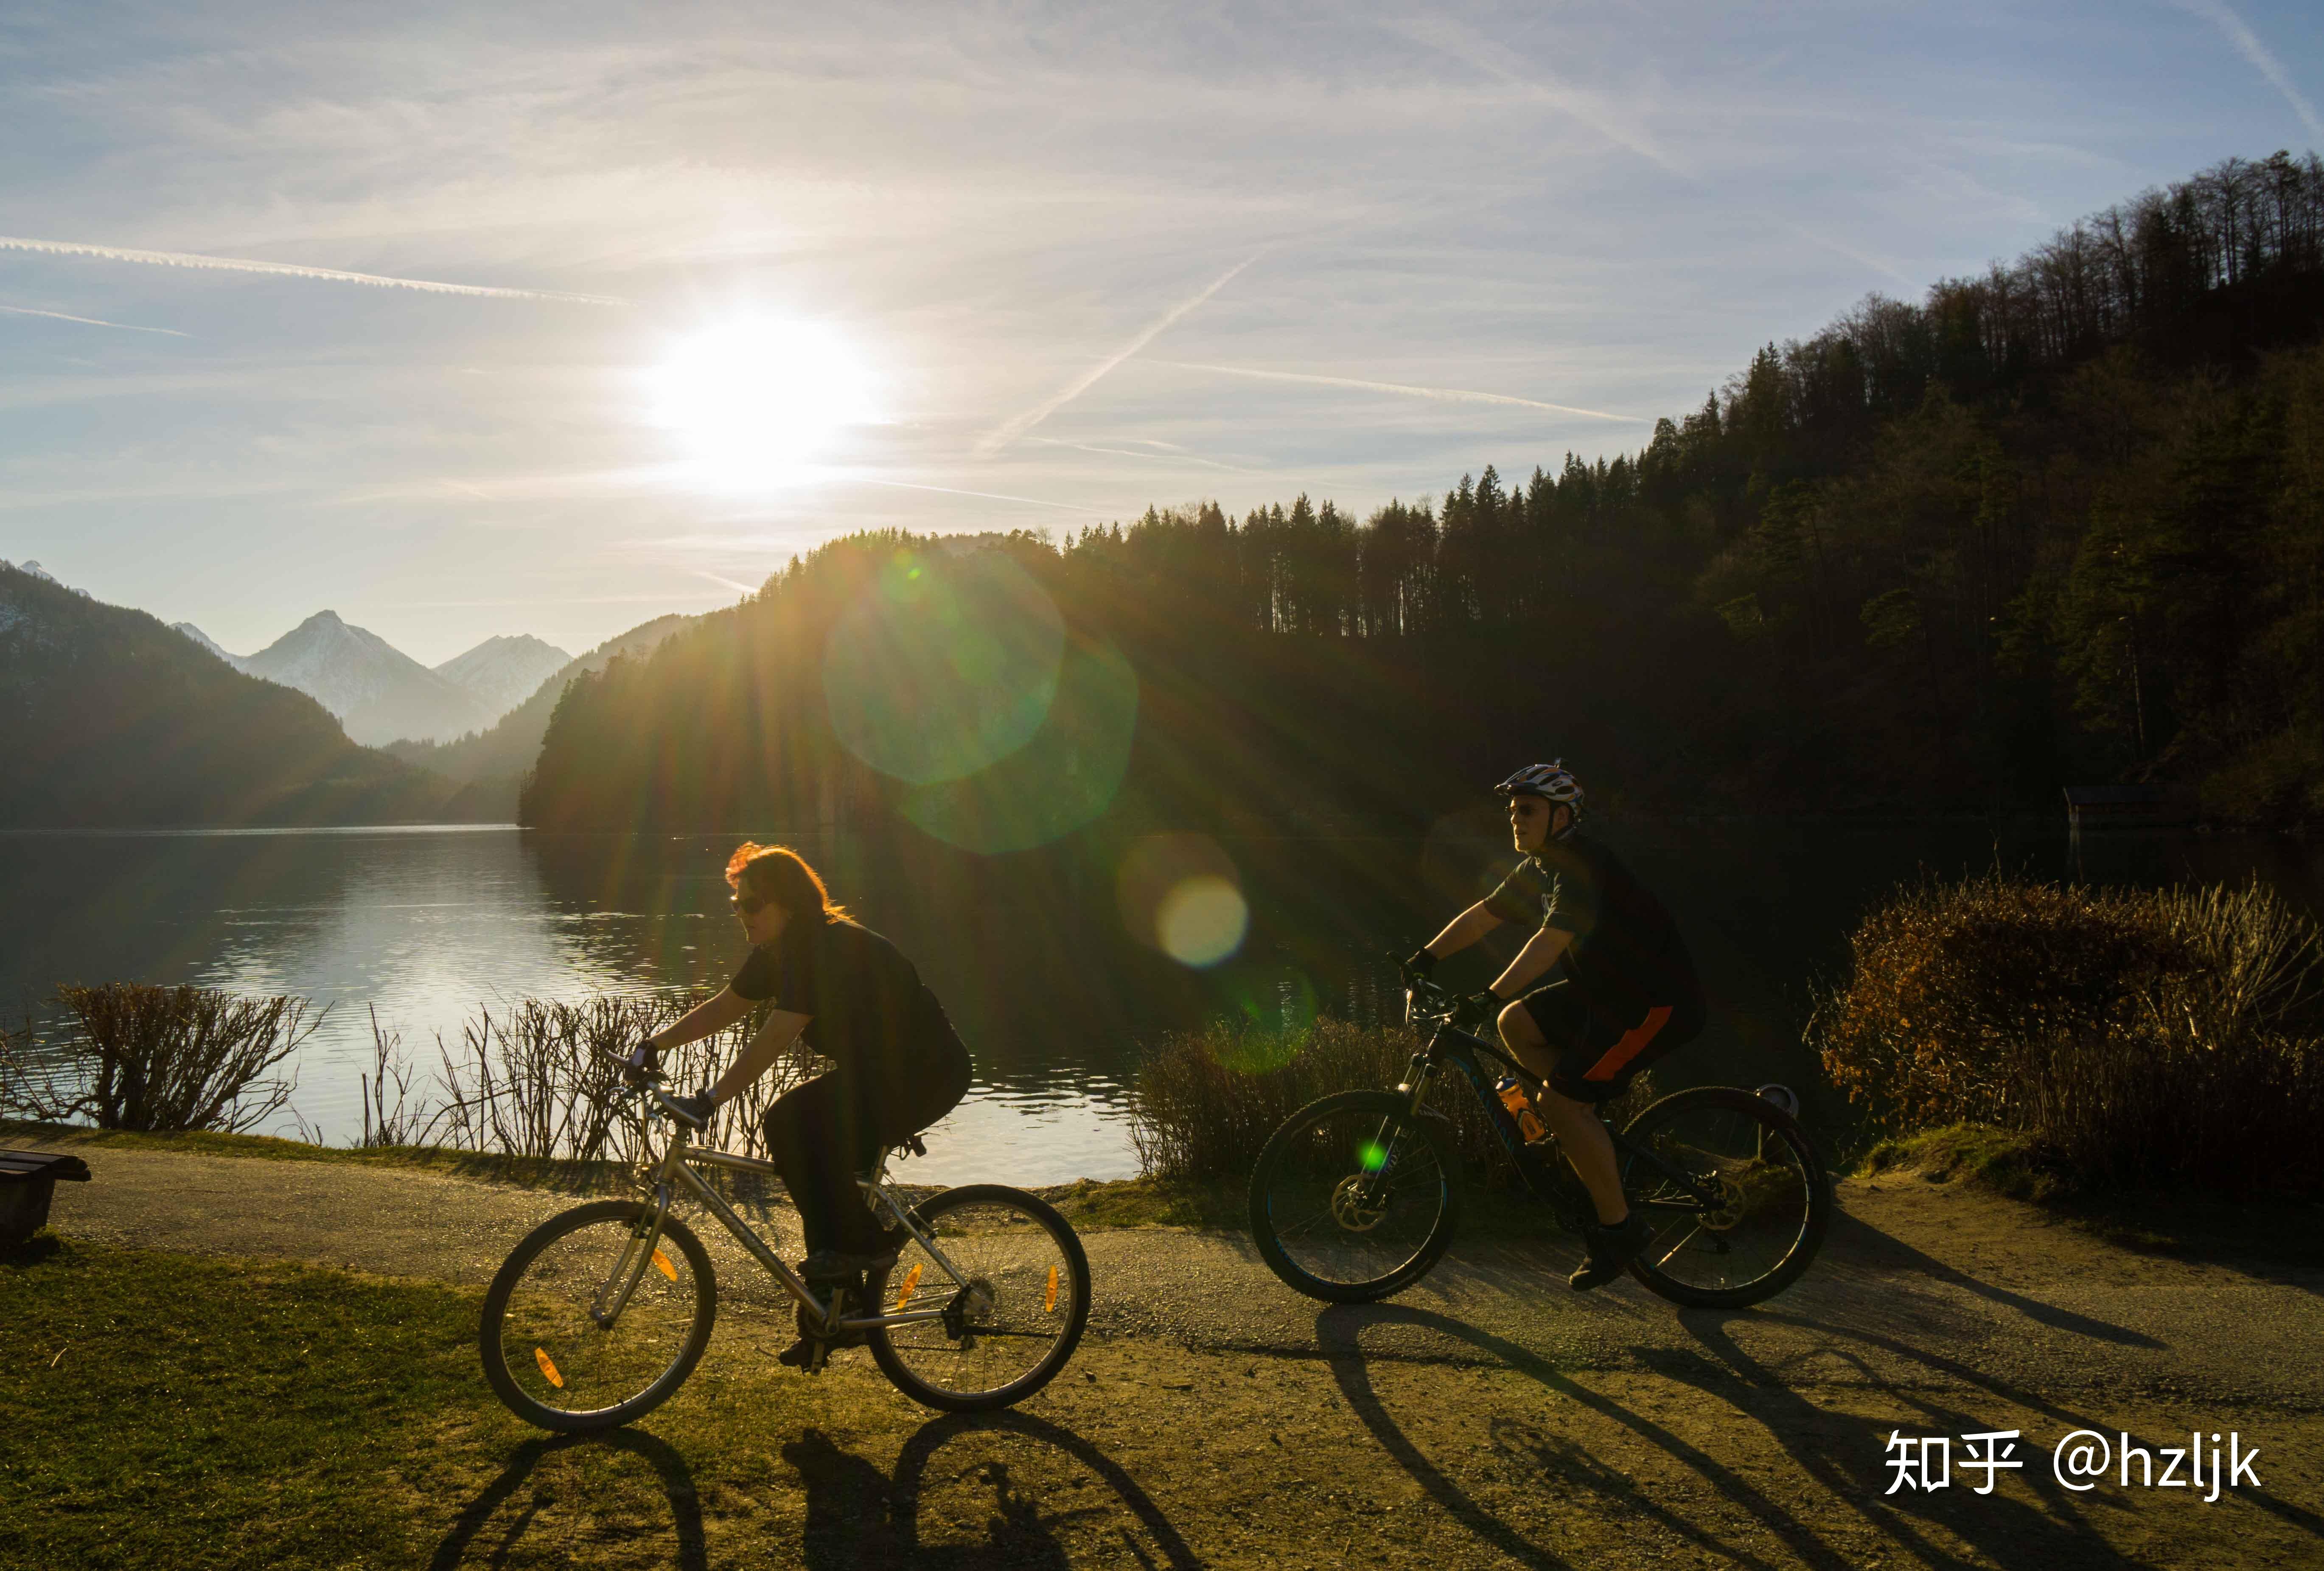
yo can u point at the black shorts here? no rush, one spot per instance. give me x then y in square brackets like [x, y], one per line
[1599, 1049]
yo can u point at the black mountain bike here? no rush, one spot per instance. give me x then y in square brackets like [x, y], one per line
[1357, 1195]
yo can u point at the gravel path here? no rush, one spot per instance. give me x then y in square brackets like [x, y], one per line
[1520, 1424]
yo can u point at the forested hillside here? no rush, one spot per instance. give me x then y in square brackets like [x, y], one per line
[108, 717]
[2063, 523]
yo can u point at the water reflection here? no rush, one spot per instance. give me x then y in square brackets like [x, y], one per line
[1052, 987]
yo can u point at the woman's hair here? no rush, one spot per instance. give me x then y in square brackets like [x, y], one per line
[782, 874]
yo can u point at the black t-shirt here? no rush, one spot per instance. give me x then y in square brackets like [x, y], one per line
[1626, 950]
[867, 1009]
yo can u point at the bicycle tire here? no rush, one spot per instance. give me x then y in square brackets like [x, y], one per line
[1770, 1119]
[894, 1362]
[1298, 1144]
[491, 1345]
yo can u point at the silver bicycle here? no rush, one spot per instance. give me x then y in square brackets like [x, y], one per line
[602, 1311]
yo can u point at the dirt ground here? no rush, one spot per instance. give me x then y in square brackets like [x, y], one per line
[1488, 1416]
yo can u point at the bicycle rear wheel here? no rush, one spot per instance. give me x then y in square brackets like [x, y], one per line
[1015, 1283]
[1354, 1198]
[1735, 1192]
[552, 1355]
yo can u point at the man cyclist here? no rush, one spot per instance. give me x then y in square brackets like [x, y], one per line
[1628, 997]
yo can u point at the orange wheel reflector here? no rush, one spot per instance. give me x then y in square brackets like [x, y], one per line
[662, 1264]
[911, 1286]
[1050, 1305]
[540, 1356]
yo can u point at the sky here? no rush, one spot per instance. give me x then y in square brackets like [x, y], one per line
[960, 267]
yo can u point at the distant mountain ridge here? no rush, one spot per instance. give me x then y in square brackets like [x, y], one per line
[112, 719]
[382, 695]
[509, 748]
[504, 670]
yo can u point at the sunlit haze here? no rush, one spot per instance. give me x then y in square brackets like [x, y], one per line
[555, 322]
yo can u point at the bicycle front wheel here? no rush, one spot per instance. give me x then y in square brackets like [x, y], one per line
[1012, 1281]
[592, 1323]
[1735, 1193]
[1354, 1198]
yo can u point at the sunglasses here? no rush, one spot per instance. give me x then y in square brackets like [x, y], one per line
[748, 905]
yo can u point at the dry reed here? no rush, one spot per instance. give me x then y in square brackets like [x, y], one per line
[2147, 1037]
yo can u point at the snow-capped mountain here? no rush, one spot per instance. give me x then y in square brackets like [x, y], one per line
[378, 692]
[203, 638]
[382, 695]
[505, 671]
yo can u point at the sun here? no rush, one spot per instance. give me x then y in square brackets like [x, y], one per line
[756, 401]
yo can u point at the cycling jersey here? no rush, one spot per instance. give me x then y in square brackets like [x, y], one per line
[1625, 953]
[867, 1010]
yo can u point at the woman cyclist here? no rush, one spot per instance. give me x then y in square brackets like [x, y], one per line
[852, 996]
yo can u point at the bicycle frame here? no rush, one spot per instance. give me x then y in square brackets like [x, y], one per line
[1540, 1167]
[674, 1173]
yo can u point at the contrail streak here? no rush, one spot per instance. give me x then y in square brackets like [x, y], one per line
[291, 270]
[730, 584]
[1176, 456]
[988, 495]
[1008, 430]
[2248, 45]
[90, 321]
[1446, 394]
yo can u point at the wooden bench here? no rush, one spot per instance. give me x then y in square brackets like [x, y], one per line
[27, 1181]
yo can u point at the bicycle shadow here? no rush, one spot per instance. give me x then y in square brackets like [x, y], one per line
[1832, 1448]
[1856, 1251]
[859, 1517]
[677, 1482]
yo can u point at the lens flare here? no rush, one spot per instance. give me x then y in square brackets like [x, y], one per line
[1201, 921]
[945, 665]
[1061, 779]
[1182, 894]
[1372, 1155]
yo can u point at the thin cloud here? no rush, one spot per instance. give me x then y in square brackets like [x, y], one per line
[291, 270]
[988, 495]
[1862, 258]
[1008, 430]
[1176, 456]
[1444, 394]
[90, 321]
[1474, 50]
[2248, 45]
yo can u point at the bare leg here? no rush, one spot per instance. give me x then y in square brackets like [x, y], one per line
[1579, 1134]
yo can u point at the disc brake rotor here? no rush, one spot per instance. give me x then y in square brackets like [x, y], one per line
[1349, 1208]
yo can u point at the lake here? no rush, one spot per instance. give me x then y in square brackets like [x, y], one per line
[1056, 964]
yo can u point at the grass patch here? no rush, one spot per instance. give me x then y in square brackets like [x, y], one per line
[2006, 1162]
[488, 1166]
[2021, 1165]
[1092, 1203]
[171, 1410]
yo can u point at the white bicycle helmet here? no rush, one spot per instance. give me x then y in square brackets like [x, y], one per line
[1549, 781]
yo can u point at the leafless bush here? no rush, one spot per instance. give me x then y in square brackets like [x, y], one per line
[2147, 1036]
[167, 1059]
[541, 1079]
[401, 1125]
[1207, 1100]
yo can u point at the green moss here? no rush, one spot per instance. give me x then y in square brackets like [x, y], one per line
[2006, 1162]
